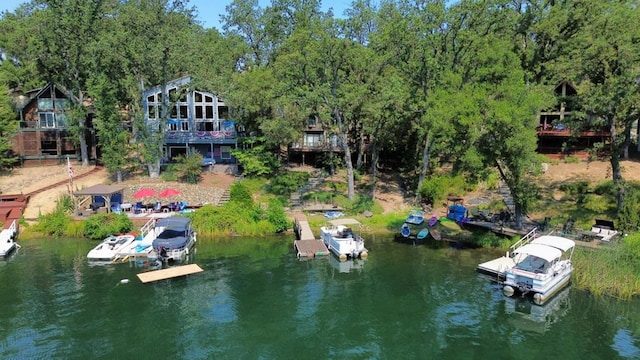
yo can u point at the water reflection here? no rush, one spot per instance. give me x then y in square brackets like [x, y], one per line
[526, 315]
[348, 265]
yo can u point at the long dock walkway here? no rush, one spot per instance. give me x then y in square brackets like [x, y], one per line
[307, 245]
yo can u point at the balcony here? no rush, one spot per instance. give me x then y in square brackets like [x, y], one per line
[195, 137]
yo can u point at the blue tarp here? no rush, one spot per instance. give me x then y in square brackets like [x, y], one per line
[457, 212]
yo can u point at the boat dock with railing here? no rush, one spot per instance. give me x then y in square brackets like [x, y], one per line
[142, 247]
[497, 267]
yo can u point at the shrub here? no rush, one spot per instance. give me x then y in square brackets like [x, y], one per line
[575, 188]
[52, 224]
[435, 189]
[286, 183]
[256, 161]
[169, 173]
[629, 216]
[99, 226]
[361, 204]
[189, 168]
[277, 216]
[605, 188]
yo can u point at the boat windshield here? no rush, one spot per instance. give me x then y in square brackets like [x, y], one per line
[533, 264]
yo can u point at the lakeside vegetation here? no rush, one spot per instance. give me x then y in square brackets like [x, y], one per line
[257, 208]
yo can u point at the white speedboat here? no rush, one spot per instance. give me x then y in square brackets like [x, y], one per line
[541, 267]
[174, 238]
[342, 241]
[110, 246]
[7, 239]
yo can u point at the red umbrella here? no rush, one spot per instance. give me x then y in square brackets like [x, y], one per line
[143, 193]
[169, 192]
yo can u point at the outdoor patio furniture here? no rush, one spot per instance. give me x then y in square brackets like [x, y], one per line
[115, 208]
[137, 208]
[157, 207]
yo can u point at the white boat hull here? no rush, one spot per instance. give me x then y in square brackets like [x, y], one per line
[110, 247]
[541, 286]
[342, 242]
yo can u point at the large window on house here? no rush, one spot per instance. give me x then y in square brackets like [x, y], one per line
[312, 140]
[225, 152]
[223, 112]
[47, 120]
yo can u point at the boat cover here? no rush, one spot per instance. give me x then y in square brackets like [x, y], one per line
[175, 235]
[545, 252]
[558, 242]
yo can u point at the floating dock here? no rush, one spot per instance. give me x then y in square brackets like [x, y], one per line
[169, 273]
[307, 245]
[496, 267]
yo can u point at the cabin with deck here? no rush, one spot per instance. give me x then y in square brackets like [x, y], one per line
[44, 136]
[557, 139]
[195, 121]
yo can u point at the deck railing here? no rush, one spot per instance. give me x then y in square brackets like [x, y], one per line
[523, 241]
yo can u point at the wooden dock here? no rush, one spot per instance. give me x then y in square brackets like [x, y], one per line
[307, 245]
[310, 248]
[169, 273]
[496, 267]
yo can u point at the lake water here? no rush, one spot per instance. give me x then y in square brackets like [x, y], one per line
[256, 300]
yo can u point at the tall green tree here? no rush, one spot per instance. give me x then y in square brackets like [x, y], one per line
[114, 139]
[8, 126]
[603, 60]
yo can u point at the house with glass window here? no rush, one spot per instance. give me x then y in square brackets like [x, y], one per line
[557, 139]
[197, 121]
[316, 142]
[44, 136]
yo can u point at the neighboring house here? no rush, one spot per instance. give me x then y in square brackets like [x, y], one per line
[316, 141]
[197, 121]
[43, 136]
[556, 139]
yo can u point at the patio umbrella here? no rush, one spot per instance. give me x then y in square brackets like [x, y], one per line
[168, 192]
[143, 193]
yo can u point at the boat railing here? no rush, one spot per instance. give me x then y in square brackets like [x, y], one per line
[146, 228]
[523, 241]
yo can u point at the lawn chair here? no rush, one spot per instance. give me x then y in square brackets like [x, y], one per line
[182, 205]
[157, 207]
[116, 208]
[137, 208]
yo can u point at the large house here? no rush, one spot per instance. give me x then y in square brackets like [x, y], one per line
[197, 121]
[43, 136]
[556, 138]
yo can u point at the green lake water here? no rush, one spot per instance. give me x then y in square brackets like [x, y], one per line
[256, 300]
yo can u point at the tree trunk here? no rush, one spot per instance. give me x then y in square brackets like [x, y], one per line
[374, 168]
[347, 154]
[361, 153]
[426, 155]
[119, 176]
[616, 171]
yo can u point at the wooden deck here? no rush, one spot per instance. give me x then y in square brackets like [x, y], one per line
[310, 248]
[307, 245]
[169, 273]
[496, 267]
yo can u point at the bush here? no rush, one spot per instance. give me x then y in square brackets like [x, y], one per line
[169, 173]
[277, 216]
[605, 188]
[189, 168]
[575, 188]
[99, 226]
[435, 189]
[361, 204]
[53, 224]
[286, 183]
